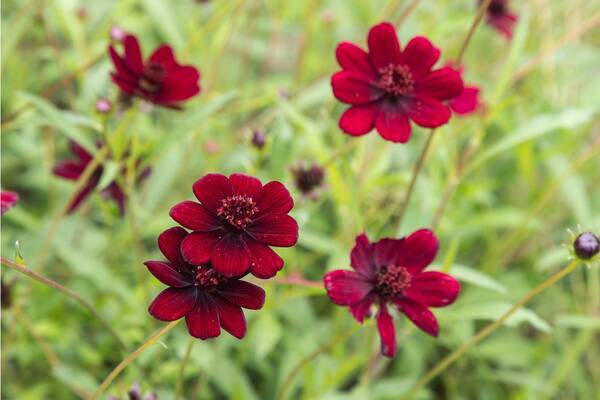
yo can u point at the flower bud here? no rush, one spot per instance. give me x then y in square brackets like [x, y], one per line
[586, 245]
[259, 138]
[308, 178]
[103, 106]
[117, 33]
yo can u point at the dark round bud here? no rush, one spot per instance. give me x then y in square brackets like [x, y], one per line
[259, 139]
[586, 246]
[308, 179]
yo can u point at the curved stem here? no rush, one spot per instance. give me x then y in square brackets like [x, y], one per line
[68, 292]
[131, 357]
[488, 330]
[186, 357]
[413, 181]
[480, 13]
[289, 379]
[79, 185]
[406, 12]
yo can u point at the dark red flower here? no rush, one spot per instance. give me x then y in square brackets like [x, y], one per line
[72, 170]
[207, 299]
[388, 87]
[469, 100]
[391, 271]
[500, 18]
[8, 200]
[235, 223]
[308, 178]
[160, 79]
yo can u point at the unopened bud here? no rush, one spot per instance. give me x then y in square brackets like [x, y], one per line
[586, 245]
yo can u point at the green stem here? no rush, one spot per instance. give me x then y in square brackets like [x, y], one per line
[488, 330]
[406, 12]
[186, 357]
[68, 292]
[419, 166]
[289, 379]
[131, 357]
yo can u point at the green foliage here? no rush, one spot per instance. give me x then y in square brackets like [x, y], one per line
[266, 64]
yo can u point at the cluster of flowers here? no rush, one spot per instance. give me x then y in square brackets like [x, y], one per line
[229, 232]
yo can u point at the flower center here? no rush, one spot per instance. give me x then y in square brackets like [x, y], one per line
[154, 75]
[208, 277]
[497, 7]
[392, 281]
[237, 210]
[395, 79]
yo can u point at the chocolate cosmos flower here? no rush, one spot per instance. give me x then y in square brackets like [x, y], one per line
[160, 79]
[208, 300]
[235, 223]
[72, 170]
[8, 200]
[391, 271]
[500, 18]
[388, 87]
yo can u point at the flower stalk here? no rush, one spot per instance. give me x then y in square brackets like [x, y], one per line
[180, 378]
[130, 358]
[68, 292]
[488, 330]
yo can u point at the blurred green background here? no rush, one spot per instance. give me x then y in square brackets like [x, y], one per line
[531, 171]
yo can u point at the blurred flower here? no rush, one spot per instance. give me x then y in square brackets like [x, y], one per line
[308, 178]
[207, 299]
[159, 80]
[500, 18]
[117, 33]
[135, 393]
[236, 223]
[258, 138]
[586, 246]
[211, 147]
[391, 270]
[72, 170]
[8, 200]
[103, 106]
[388, 87]
[469, 100]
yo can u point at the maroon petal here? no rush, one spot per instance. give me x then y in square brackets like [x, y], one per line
[124, 74]
[420, 315]
[428, 112]
[173, 303]
[420, 55]
[387, 332]
[203, 321]
[387, 251]
[273, 198]
[169, 243]
[133, 55]
[361, 256]
[197, 247]
[346, 287]
[211, 189]
[264, 262]
[82, 195]
[359, 120]
[168, 275]
[393, 125]
[231, 317]
[354, 87]
[172, 93]
[8, 200]
[163, 55]
[419, 250]
[195, 216]
[433, 289]
[362, 309]
[279, 230]
[117, 194]
[82, 154]
[467, 102]
[352, 57]
[70, 170]
[182, 76]
[504, 23]
[384, 47]
[126, 85]
[441, 84]
[245, 185]
[243, 294]
[230, 256]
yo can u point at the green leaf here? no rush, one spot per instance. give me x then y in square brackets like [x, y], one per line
[474, 277]
[109, 174]
[492, 310]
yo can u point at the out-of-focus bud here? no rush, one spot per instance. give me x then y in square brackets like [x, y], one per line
[211, 147]
[117, 33]
[103, 106]
[308, 178]
[259, 139]
[586, 246]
